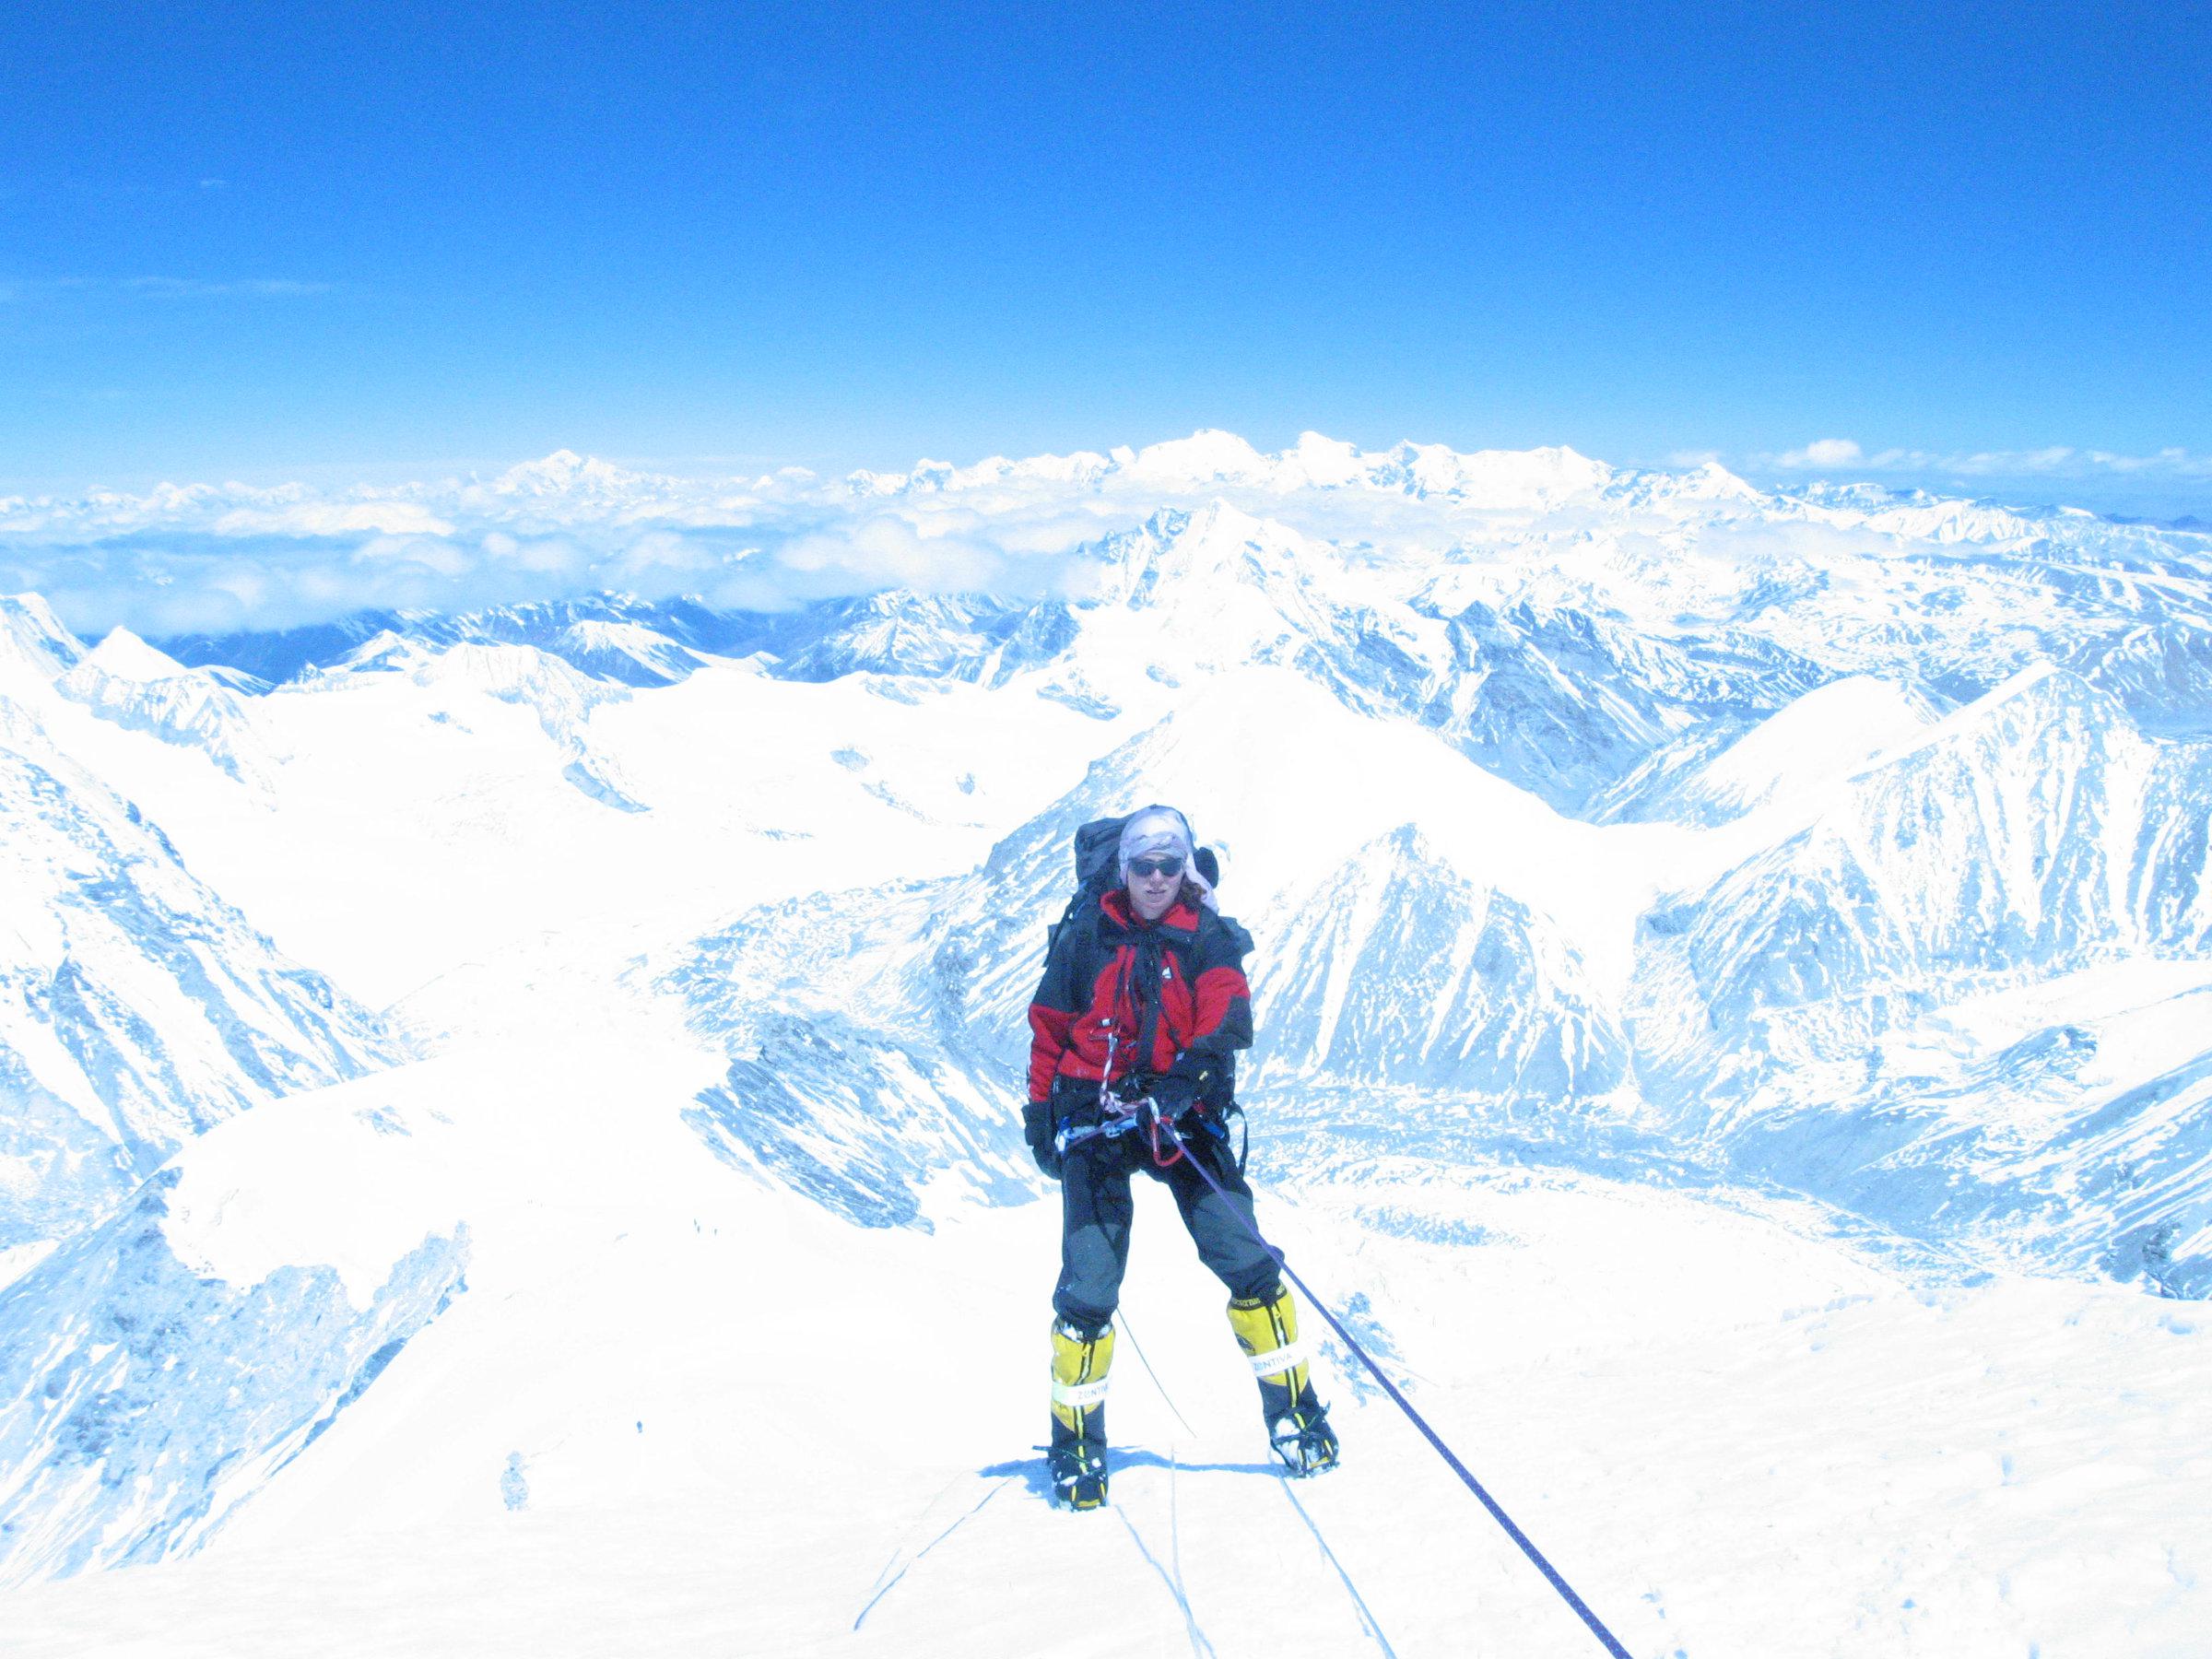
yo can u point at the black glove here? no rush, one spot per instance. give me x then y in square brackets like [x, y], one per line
[1037, 1129]
[1174, 1095]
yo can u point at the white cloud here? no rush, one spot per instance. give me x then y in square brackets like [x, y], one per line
[426, 552]
[2179, 463]
[666, 554]
[219, 557]
[335, 518]
[2053, 461]
[215, 557]
[1822, 451]
[895, 553]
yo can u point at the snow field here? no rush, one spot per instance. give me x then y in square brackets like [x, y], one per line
[676, 1412]
[424, 823]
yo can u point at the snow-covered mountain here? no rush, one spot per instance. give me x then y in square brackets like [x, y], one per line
[125, 680]
[561, 697]
[1392, 958]
[2033, 838]
[141, 1398]
[1816, 882]
[1209, 460]
[34, 646]
[139, 1008]
[1824, 683]
[1711, 778]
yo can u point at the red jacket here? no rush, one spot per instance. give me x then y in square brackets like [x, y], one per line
[1088, 1006]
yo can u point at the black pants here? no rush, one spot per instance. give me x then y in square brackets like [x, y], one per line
[1096, 1206]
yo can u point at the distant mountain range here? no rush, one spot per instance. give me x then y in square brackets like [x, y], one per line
[1850, 844]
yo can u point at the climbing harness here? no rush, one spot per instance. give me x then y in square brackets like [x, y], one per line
[1127, 1121]
[1118, 1117]
[1612, 1644]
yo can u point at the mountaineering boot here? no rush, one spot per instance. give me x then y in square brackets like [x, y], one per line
[1081, 1356]
[1078, 1476]
[1298, 1423]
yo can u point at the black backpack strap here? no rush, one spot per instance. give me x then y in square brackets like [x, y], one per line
[1145, 965]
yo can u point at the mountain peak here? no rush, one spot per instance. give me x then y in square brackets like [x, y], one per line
[2039, 693]
[1327, 463]
[1207, 546]
[564, 472]
[32, 638]
[1207, 456]
[126, 656]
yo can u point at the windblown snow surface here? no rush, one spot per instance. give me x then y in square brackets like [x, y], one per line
[508, 1119]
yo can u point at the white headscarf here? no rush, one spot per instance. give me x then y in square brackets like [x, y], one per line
[1154, 830]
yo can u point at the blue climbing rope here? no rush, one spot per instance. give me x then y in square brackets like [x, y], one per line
[1551, 1573]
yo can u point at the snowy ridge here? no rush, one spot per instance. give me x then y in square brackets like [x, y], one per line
[1827, 734]
[141, 1402]
[34, 646]
[2013, 845]
[139, 1008]
[561, 697]
[625, 651]
[127, 681]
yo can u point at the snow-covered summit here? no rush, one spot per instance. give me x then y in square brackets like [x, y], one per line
[627, 652]
[122, 655]
[565, 475]
[1707, 482]
[34, 646]
[1211, 459]
[124, 680]
[1829, 734]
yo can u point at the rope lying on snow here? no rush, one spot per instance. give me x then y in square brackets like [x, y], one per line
[1551, 1573]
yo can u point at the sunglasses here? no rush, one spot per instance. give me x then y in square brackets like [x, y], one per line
[1156, 866]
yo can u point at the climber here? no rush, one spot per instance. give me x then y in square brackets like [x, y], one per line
[1143, 1005]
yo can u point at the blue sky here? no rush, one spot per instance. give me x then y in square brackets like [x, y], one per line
[1911, 243]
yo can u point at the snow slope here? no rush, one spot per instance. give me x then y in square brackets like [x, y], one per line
[642, 1426]
[136, 1006]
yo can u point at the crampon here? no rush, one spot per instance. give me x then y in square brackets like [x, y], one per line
[1080, 1476]
[1305, 1445]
